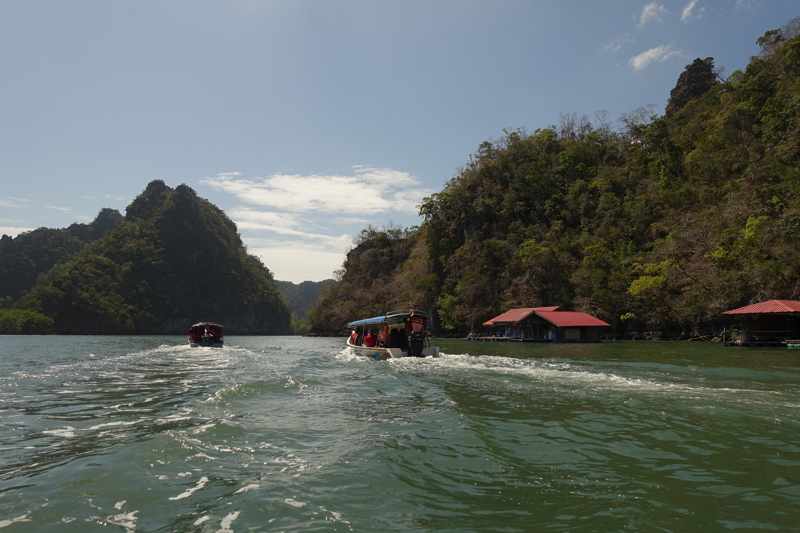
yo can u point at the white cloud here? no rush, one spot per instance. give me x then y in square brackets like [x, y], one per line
[368, 191]
[652, 12]
[357, 221]
[13, 231]
[229, 174]
[64, 209]
[659, 53]
[750, 4]
[301, 226]
[270, 219]
[615, 46]
[291, 254]
[688, 15]
[300, 261]
[339, 244]
[14, 202]
[284, 224]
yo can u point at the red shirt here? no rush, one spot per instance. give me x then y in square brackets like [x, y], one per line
[370, 340]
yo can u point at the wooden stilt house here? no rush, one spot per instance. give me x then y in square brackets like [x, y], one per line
[543, 324]
[768, 323]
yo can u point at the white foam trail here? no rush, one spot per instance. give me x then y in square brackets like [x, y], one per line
[560, 373]
[294, 503]
[227, 521]
[348, 354]
[110, 424]
[127, 521]
[246, 488]
[189, 492]
[66, 432]
[22, 518]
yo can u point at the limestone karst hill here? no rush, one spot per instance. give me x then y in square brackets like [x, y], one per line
[175, 259]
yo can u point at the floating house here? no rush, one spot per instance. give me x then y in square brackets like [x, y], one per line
[542, 324]
[771, 323]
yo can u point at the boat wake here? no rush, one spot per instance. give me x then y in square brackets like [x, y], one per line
[586, 379]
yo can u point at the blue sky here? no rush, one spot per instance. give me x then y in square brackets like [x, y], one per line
[307, 120]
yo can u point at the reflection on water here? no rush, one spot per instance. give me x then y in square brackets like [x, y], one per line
[291, 434]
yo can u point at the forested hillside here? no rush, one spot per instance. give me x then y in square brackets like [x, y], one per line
[301, 296]
[34, 255]
[174, 260]
[662, 223]
[387, 268]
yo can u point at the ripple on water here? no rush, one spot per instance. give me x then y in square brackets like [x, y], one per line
[298, 434]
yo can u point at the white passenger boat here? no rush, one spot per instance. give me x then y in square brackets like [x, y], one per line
[400, 333]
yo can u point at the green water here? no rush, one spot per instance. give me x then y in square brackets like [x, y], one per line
[297, 434]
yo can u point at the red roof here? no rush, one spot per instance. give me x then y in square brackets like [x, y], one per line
[566, 319]
[515, 315]
[552, 314]
[771, 306]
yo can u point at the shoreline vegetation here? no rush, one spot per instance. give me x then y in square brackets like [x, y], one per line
[656, 225]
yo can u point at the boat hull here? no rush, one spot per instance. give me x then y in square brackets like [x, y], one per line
[206, 342]
[381, 354]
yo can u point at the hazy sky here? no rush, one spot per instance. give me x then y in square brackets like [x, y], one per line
[307, 120]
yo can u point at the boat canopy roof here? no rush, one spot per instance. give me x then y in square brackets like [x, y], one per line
[392, 316]
[207, 324]
[365, 321]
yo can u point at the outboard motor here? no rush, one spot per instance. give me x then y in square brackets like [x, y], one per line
[415, 344]
[207, 340]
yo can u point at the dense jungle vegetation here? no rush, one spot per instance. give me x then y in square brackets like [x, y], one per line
[34, 255]
[660, 224]
[175, 259]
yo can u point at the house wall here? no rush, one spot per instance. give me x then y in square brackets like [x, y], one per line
[775, 327]
[585, 333]
[547, 331]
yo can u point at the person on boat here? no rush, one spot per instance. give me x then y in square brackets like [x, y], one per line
[353, 337]
[394, 339]
[370, 340]
[402, 340]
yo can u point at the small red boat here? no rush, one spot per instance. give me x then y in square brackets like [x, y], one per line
[205, 334]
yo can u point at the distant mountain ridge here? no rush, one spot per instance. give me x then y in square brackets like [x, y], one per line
[301, 297]
[175, 259]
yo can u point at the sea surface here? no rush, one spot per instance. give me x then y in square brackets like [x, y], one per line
[299, 434]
